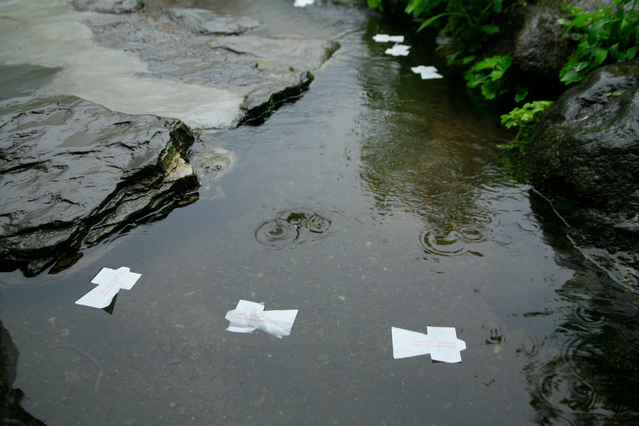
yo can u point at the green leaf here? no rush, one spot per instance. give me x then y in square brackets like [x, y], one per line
[431, 20]
[580, 21]
[613, 51]
[468, 59]
[375, 4]
[504, 62]
[473, 80]
[496, 74]
[497, 6]
[489, 29]
[571, 76]
[487, 63]
[451, 58]
[632, 52]
[521, 91]
[600, 56]
[490, 90]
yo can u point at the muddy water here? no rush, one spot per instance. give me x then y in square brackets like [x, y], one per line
[375, 200]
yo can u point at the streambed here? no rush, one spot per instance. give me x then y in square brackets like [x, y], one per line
[415, 225]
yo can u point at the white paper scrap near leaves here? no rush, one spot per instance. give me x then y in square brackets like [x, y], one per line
[109, 282]
[426, 72]
[302, 3]
[250, 316]
[441, 343]
[398, 50]
[384, 38]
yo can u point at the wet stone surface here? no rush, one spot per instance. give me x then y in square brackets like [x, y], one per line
[195, 47]
[74, 172]
[108, 6]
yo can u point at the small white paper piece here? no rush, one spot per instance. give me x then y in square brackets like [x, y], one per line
[427, 72]
[385, 38]
[302, 3]
[109, 282]
[441, 343]
[398, 50]
[250, 316]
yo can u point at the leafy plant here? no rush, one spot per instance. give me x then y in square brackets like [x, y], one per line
[487, 75]
[471, 25]
[605, 36]
[525, 118]
[525, 115]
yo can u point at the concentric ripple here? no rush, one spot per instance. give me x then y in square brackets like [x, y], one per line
[277, 233]
[291, 227]
[451, 241]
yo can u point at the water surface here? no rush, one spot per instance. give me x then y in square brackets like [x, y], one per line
[374, 200]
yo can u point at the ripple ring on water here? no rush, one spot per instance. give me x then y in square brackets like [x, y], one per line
[276, 233]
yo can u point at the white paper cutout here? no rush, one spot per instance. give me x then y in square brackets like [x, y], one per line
[250, 316]
[384, 38]
[109, 282]
[302, 3]
[427, 72]
[441, 343]
[398, 50]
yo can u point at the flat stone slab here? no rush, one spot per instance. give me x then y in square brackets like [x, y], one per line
[108, 6]
[201, 21]
[171, 66]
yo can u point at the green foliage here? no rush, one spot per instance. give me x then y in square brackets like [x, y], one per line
[525, 118]
[469, 22]
[526, 115]
[605, 36]
[472, 25]
[487, 75]
[513, 154]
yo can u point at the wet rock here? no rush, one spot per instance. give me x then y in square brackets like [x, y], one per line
[541, 46]
[74, 173]
[108, 6]
[263, 71]
[200, 21]
[585, 157]
[211, 164]
[538, 44]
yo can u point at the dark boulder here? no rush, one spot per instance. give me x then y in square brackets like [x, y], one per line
[538, 44]
[541, 47]
[73, 173]
[585, 158]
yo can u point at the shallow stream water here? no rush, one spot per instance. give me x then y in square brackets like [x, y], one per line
[403, 218]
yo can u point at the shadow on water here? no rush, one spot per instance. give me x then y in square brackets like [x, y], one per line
[586, 371]
[11, 412]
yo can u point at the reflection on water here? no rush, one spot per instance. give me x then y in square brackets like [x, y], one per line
[373, 201]
[11, 411]
[586, 371]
